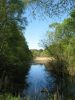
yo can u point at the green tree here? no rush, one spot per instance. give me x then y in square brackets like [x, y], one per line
[14, 51]
[63, 45]
[50, 8]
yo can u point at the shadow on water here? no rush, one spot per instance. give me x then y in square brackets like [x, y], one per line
[12, 80]
[65, 88]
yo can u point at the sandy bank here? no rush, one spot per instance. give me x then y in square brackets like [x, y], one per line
[42, 60]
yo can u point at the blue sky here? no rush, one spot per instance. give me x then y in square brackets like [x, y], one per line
[37, 28]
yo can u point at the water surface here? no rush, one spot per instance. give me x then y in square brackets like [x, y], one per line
[40, 82]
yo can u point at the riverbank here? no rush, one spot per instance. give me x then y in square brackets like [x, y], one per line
[42, 60]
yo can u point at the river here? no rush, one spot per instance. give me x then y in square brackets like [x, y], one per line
[40, 83]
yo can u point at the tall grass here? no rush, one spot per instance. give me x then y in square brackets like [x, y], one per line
[9, 97]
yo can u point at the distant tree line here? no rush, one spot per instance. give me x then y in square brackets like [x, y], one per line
[39, 53]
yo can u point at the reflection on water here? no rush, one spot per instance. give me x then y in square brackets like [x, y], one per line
[38, 83]
[38, 80]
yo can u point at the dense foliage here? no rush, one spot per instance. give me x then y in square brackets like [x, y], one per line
[62, 46]
[14, 51]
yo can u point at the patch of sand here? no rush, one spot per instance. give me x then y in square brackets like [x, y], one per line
[43, 59]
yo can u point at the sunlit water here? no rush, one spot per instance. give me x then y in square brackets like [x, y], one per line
[40, 82]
